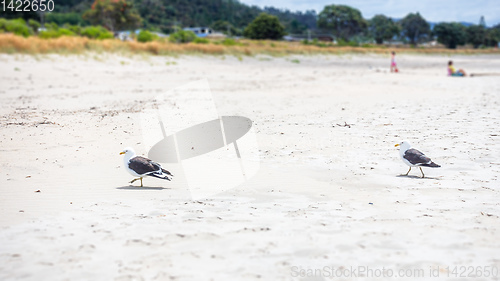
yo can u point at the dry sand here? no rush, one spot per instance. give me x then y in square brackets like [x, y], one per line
[326, 196]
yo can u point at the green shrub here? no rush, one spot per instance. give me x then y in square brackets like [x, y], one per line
[16, 26]
[321, 44]
[366, 45]
[182, 36]
[145, 36]
[34, 25]
[105, 35]
[96, 32]
[229, 42]
[51, 33]
[315, 42]
[91, 32]
[342, 43]
[3, 23]
[199, 40]
[47, 34]
[74, 28]
[51, 25]
[65, 32]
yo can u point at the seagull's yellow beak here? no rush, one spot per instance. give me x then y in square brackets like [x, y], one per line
[122, 152]
[396, 145]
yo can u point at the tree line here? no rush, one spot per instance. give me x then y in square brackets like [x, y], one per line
[236, 19]
[346, 22]
[228, 16]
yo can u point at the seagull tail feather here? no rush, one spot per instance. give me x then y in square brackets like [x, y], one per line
[432, 165]
[161, 175]
[166, 172]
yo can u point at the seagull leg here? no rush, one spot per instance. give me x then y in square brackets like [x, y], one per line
[408, 171]
[141, 183]
[423, 176]
[134, 180]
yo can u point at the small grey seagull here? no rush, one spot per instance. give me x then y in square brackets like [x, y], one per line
[140, 167]
[414, 158]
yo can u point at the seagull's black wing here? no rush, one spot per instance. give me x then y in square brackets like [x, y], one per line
[416, 157]
[142, 165]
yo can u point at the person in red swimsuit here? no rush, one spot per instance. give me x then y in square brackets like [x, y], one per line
[394, 67]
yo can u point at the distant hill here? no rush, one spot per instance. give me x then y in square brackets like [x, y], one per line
[466, 24]
[432, 24]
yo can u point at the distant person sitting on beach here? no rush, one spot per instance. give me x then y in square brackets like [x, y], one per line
[394, 67]
[453, 72]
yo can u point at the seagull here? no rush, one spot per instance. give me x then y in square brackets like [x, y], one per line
[414, 158]
[140, 167]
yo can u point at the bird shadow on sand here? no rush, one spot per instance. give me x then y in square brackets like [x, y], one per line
[131, 187]
[417, 177]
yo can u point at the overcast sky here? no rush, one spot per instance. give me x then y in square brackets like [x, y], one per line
[431, 10]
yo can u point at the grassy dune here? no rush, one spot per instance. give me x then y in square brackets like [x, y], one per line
[10, 43]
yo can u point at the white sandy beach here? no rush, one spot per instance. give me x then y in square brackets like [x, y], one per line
[327, 195]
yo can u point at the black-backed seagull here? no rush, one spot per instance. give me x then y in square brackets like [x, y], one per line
[140, 167]
[414, 158]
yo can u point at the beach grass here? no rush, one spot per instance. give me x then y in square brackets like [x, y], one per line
[10, 43]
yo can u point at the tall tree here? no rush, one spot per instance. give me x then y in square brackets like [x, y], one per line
[113, 14]
[493, 36]
[264, 27]
[383, 28]
[476, 35]
[482, 22]
[450, 34]
[342, 20]
[415, 27]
